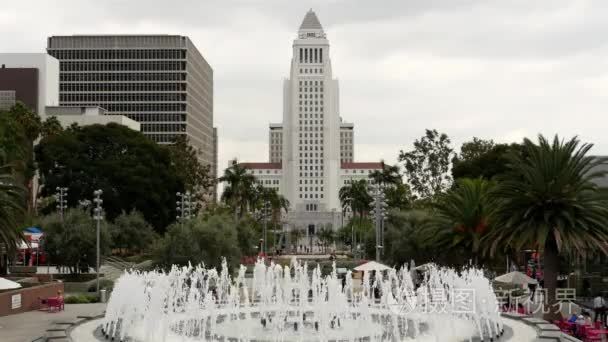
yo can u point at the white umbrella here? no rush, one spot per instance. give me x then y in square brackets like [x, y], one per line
[6, 284]
[515, 278]
[425, 267]
[372, 266]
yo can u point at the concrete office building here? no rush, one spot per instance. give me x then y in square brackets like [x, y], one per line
[161, 81]
[311, 152]
[84, 116]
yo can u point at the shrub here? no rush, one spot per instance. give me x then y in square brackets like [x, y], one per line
[104, 284]
[82, 299]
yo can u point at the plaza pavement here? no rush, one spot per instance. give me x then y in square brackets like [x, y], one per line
[34, 325]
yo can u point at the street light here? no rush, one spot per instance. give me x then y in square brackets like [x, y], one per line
[62, 202]
[265, 213]
[98, 216]
[379, 213]
[184, 205]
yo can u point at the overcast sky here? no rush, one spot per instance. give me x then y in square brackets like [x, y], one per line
[491, 69]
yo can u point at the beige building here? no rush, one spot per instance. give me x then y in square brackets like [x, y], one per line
[161, 81]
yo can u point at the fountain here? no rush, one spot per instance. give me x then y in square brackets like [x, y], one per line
[291, 303]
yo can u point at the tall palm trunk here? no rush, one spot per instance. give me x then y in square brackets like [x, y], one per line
[551, 269]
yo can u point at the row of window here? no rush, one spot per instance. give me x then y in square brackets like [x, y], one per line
[311, 122]
[305, 167]
[309, 109]
[311, 161]
[311, 207]
[311, 71]
[163, 127]
[311, 196]
[316, 89]
[316, 115]
[132, 107]
[262, 171]
[122, 77]
[123, 87]
[268, 181]
[346, 154]
[123, 66]
[311, 55]
[123, 97]
[306, 174]
[157, 117]
[316, 188]
[311, 155]
[307, 83]
[316, 181]
[307, 142]
[119, 54]
[162, 138]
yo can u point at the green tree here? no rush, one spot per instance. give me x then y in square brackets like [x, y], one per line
[355, 196]
[131, 233]
[200, 240]
[462, 217]
[398, 196]
[326, 235]
[195, 176]
[474, 149]
[388, 175]
[404, 240]
[51, 126]
[239, 188]
[133, 172]
[548, 199]
[12, 210]
[487, 164]
[72, 243]
[427, 165]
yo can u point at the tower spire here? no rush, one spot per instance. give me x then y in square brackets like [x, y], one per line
[311, 22]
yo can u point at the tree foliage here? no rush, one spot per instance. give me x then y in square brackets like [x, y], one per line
[462, 217]
[201, 240]
[131, 233]
[51, 126]
[238, 189]
[132, 171]
[487, 164]
[12, 209]
[426, 166]
[196, 177]
[548, 199]
[72, 242]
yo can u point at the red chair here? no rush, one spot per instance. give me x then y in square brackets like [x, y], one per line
[55, 303]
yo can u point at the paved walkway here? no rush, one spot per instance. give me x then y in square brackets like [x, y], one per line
[29, 326]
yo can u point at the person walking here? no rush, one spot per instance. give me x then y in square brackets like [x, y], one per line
[599, 306]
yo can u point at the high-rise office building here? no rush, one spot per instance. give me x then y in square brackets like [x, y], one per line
[161, 81]
[311, 152]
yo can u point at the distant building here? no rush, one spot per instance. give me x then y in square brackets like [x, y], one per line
[31, 78]
[161, 81]
[311, 153]
[83, 116]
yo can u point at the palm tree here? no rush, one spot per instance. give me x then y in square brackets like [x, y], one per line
[326, 235]
[356, 197]
[12, 209]
[548, 199]
[388, 175]
[239, 188]
[462, 217]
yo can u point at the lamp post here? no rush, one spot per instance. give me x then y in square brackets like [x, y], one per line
[265, 213]
[379, 213]
[62, 202]
[183, 206]
[98, 216]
